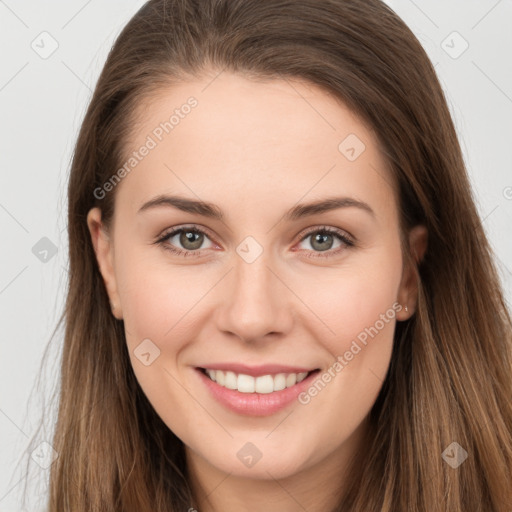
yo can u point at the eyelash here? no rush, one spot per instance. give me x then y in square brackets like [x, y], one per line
[324, 230]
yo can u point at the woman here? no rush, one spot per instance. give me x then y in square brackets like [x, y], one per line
[281, 296]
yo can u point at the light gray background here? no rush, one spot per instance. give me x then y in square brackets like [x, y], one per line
[42, 102]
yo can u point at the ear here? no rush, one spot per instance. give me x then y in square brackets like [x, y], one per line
[104, 249]
[408, 290]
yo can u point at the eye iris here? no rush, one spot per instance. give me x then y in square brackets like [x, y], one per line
[193, 237]
[322, 238]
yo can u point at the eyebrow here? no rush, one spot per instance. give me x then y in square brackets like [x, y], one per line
[214, 212]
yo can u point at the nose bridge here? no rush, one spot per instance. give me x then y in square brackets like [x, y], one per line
[254, 303]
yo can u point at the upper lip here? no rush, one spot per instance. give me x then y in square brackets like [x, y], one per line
[256, 371]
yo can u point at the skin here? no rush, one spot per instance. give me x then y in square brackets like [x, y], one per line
[256, 149]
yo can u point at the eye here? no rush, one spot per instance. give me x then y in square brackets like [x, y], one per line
[324, 239]
[190, 238]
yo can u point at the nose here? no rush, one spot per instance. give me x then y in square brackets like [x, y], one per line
[254, 302]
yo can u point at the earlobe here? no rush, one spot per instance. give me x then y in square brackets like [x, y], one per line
[103, 248]
[408, 291]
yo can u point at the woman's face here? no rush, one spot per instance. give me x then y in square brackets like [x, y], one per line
[261, 283]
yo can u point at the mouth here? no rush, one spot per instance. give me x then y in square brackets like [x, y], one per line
[248, 395]
[263, 384]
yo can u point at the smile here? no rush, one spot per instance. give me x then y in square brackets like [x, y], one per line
[255, 396]
[249, 384]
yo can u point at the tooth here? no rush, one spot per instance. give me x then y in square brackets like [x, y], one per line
[245, 383]
[264, 384]
[220, 377]
[279, 382]
[301, 376]
[291, 379]
[230, 381]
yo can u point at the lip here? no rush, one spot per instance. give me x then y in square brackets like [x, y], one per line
[256, 371]
[255, 404]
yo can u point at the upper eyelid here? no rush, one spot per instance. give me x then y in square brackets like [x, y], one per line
[329, 229]
[176, 230]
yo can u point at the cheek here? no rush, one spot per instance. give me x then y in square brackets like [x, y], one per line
[358, 309]
[158, 301]
[156, 297]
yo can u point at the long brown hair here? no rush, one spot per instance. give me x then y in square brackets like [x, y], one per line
[450, 379]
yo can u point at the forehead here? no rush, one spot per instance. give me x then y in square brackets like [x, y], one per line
[271, 141]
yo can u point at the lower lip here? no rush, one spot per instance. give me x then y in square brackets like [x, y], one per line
[256, 404]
